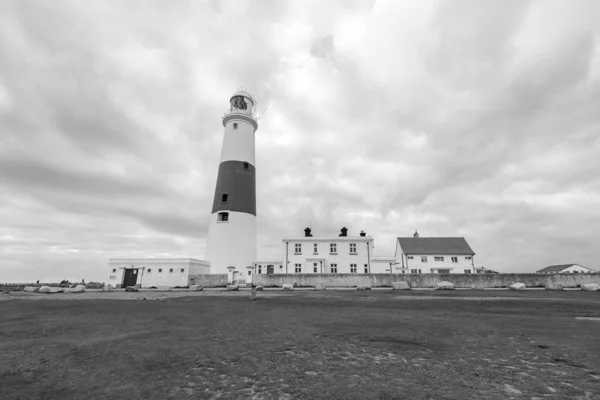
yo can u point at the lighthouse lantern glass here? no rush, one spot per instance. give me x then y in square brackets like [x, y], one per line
[239, 103]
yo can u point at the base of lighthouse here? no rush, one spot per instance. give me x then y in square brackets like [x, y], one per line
[231, 244]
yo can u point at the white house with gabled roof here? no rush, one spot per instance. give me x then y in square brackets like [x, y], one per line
[436, 255]
[566, 269]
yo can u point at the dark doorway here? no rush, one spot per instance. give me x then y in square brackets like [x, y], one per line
[130, 277]
[270, 269]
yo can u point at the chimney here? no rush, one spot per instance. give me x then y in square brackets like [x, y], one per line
[344, 232]
[307, 232]
[363, 234]
[416, 235]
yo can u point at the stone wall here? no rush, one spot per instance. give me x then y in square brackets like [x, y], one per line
[473, 281]
[208, 280]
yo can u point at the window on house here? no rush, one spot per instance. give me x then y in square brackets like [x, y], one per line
[443, 271]
[182, 270]
[410, 257]
[467, 271]
[333, 248]
[423, 258]
[298, 248]
[224, 198]
[352, 268]
[352, 248]
[298, 268]
[334, 268]
[315, 268]
[171, 270]
[260, 269]
[438, 258]
[366, 268]
[160, 270]
[223, 217]
[316, 248]
[249, 272]
[454, 259]
[415, 271]
[468, 258]
[149, 270]
[114, 270]
[246, 165]
[235, 125]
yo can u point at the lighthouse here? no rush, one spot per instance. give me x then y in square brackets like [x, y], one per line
[231, 245]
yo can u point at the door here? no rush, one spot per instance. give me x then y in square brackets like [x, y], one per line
[130, 277]
[270, 269]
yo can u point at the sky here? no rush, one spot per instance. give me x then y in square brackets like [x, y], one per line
[478, 119]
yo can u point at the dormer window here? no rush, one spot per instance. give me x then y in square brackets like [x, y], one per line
[223, 217]
[235, 125]
[224, 198]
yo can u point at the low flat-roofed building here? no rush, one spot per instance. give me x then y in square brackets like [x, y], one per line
[154, 272]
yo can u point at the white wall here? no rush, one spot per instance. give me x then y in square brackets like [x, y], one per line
[238, 144]
[381, 265]
[156, 272]
[462, 265]
[231, 243]
[323, 257]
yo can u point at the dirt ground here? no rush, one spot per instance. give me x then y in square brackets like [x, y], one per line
[337, 344]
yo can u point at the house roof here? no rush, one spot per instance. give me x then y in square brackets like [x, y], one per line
[557, 268]
[435, 246]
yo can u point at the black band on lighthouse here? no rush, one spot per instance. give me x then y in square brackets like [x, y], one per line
[236, 180]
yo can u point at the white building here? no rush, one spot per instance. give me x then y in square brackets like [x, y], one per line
[436, 255]
[154, 272]
[327, 254]
[566, 269]
[382, 265]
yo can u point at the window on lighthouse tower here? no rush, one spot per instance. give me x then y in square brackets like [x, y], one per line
[223, 217]
[224, 198]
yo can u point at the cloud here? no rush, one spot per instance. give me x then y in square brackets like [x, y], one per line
[463, 118]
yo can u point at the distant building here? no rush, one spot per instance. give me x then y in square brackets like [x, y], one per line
[436, 255]
[341, 254]
[565, 269]
[484, 270]
[151, 272]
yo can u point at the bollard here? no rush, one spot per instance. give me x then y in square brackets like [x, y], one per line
[253, 292]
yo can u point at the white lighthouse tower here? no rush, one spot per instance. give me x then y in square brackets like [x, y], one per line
[231, 246]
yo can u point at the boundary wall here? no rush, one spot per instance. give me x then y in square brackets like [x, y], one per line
[208, 280]
[472, 281]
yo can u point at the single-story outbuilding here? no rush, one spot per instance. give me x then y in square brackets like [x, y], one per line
[154, 272]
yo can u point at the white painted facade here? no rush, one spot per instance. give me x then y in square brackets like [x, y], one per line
[154, 272]
[381, 265]
[434, 263]
[238, 144]
[327, 255]
[571, 269]
[239, 230]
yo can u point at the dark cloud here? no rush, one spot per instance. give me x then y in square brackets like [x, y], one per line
[454, 118]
